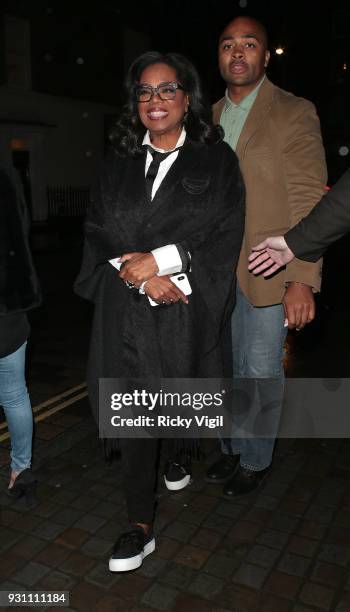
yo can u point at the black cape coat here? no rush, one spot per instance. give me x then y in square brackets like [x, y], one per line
[199, 204]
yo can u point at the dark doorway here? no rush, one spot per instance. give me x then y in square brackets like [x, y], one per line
[20, 160]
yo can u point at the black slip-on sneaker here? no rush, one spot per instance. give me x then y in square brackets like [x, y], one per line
[176, 475]
[130, 550]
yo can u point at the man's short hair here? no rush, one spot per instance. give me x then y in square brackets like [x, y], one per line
[258, 23]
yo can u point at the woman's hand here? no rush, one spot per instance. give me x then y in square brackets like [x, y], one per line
[163, 291]
[137, 268]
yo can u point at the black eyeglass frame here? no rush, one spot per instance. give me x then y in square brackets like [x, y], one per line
[155, 90]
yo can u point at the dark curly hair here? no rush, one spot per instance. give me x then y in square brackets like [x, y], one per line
[128, 132]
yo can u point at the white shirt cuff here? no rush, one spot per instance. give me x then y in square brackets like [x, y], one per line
[168, 259]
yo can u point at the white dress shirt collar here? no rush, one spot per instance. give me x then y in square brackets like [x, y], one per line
[180, 142]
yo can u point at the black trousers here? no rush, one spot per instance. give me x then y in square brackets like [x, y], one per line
[139, 458]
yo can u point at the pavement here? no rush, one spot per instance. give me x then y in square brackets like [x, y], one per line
[285, 548]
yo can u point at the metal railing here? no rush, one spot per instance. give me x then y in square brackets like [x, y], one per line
[67, 201]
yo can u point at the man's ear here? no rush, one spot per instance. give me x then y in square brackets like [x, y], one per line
[267, 58]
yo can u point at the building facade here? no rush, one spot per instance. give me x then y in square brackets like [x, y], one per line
[55, 143]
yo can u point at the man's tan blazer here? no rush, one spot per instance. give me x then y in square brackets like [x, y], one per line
[283, 165]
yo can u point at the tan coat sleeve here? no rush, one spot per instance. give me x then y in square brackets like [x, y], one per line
[306, 177]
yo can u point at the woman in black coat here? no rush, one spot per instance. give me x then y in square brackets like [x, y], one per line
[170, 199]
[19, 292]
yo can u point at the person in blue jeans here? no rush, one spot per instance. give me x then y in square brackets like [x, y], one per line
[19, 292]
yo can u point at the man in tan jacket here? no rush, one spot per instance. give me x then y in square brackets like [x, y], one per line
[278, 142]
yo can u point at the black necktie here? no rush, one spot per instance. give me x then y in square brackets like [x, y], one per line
[153, 169]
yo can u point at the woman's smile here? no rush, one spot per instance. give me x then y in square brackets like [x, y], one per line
[155, 113]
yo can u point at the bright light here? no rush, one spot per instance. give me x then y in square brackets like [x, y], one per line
[279, 50]
[345, 66]
[343, 151]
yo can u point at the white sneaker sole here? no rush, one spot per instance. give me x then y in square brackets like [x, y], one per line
[177, 485]
[126, 565]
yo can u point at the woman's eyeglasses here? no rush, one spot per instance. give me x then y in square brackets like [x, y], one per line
[166, 91]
